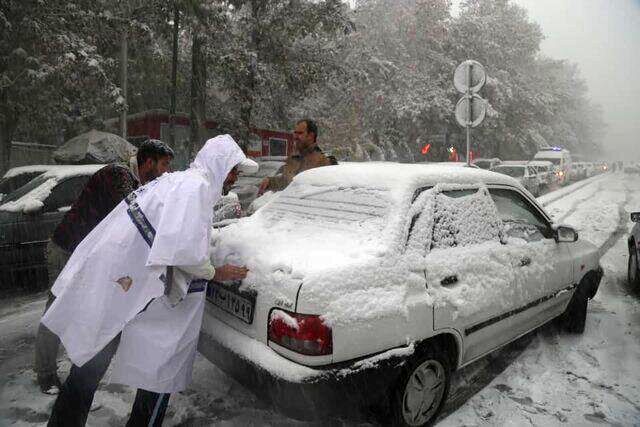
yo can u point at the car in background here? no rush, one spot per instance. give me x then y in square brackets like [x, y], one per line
[633, 269]
[578, 171]
[487, 164]
[28, 217]
[590, 169]
[561, 159]
[431, 268]
[19, 176]
[246, 187]
[526, 175]
[544, 169]
[631, 168]
[602, 167]
[226, 209]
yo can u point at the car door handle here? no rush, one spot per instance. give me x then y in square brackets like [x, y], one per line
[449, 280]
[525, 261]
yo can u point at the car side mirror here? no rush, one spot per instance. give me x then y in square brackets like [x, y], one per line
[564, 234]
[635, 216]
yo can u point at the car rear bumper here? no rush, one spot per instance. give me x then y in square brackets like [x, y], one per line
[348, 390]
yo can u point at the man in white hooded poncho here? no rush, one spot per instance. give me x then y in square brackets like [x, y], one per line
[131, 288]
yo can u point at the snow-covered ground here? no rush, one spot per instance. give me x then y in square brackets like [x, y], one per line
[545, 378]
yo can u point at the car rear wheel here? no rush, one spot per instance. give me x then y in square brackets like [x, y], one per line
[421, 390]
[633, 274]
[575, 316]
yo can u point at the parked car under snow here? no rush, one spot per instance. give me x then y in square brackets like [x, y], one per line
[370, 284]
[28, 217]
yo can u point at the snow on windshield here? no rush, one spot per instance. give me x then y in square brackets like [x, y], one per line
[31, 196]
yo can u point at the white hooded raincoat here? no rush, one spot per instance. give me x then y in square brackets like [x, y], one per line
[93, 306]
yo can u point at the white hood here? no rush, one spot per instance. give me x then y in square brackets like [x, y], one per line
[216, 159]
[187, 207]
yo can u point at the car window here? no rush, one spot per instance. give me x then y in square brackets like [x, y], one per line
[521, 218]
[65, 193]
[25, 189]
[8, 185]
[463, 218]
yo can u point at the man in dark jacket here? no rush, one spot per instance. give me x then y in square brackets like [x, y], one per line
[104, 190]
[309, 156]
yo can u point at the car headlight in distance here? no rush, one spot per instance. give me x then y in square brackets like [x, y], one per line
[303, 333]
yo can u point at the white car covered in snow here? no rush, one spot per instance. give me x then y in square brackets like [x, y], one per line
[371, 283]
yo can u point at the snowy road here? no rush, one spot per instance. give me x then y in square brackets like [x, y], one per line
[545, 378]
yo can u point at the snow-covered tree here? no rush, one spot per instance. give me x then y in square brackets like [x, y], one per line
[51, 71]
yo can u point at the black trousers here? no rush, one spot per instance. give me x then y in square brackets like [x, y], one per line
[76, 395]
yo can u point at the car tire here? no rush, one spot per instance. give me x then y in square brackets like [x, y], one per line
[633, 271]
[412, 406]
[575, 316]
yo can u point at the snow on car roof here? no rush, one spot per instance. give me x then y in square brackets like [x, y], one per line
[28, 169]
[67, 171]
[33, 200]
[399, 177]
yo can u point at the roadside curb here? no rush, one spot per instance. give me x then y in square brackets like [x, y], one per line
[562, 192]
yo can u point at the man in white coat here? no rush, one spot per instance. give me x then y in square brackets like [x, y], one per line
[134, 287]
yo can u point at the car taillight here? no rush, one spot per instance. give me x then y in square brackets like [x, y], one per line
[303, 333]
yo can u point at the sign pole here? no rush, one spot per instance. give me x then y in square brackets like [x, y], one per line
[468, 79]
[470, 111]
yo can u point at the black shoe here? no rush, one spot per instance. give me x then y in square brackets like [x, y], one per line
[49, 384]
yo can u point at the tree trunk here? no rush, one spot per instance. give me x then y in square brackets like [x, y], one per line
[124, 59]
[174, 75]
[246, 112]
[7, 129]
[8, 125]
[198, 94]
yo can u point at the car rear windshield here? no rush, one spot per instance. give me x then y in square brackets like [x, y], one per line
[514, 171]
[11, 184]
[331, 206]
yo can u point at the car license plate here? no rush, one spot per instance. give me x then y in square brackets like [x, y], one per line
[238, 303]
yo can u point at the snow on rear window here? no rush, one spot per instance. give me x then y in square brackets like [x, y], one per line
[331, 206]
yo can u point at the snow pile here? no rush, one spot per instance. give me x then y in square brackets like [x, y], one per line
[261, 201]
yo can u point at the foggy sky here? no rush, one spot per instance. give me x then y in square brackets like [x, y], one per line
[603, 38]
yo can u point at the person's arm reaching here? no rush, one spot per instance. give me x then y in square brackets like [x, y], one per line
[220, 274]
